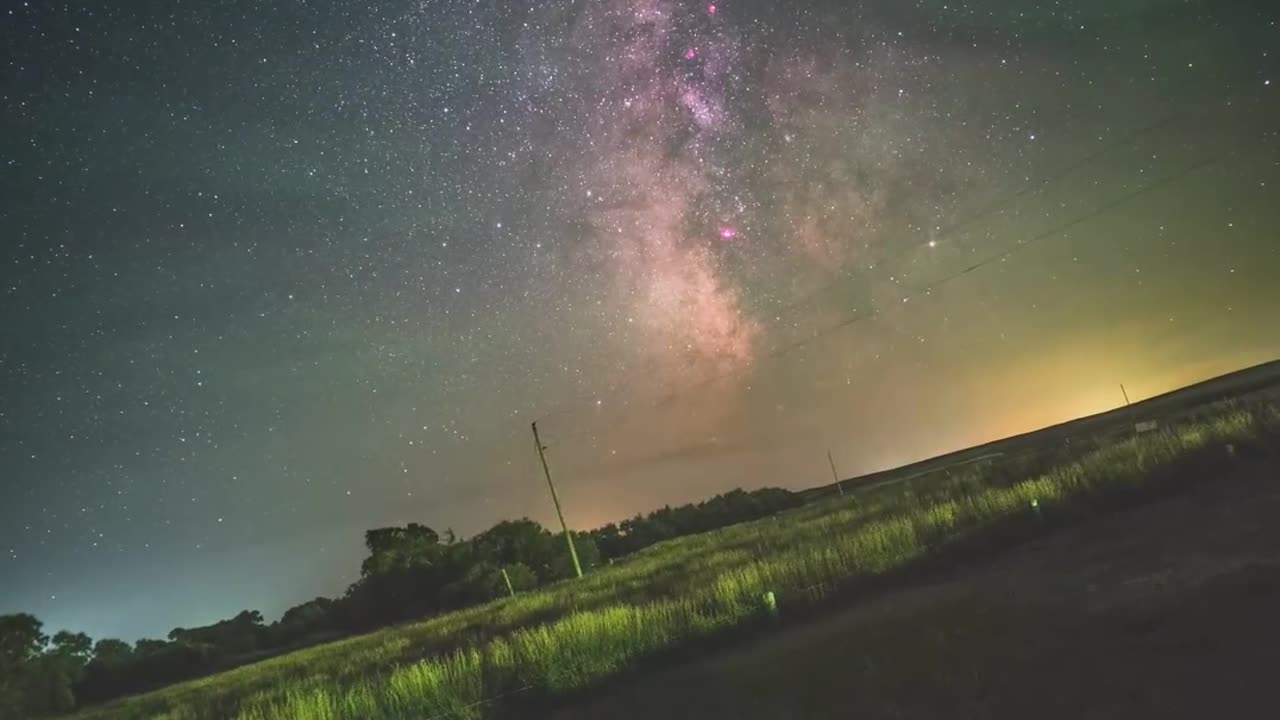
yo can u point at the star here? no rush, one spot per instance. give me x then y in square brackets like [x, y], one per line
[232, 294]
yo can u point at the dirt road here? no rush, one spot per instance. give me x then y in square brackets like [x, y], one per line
[1171, 610]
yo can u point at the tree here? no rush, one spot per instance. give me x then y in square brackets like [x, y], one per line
[21, 642]
[64, 663]
[521, 576]
[113, 667]
[561, 565]
[49, 680]
[148, 646]
[308, 613]
[665, 523]
[238, 635]
[20, 639]
[77, 646]
[313, 616]
[395, 548]
[150, 664]
[520, 541]
[110, 651]
[36, 678]
[485, 582]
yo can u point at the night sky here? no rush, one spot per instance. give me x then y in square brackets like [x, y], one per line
[274, 274]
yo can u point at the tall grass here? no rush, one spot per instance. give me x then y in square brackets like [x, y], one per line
[573, 635]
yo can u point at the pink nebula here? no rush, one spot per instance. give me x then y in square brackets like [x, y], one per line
[690, 54]
[711, 9]
[728, 233]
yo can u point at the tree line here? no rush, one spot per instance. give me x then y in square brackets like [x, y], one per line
[408, 573]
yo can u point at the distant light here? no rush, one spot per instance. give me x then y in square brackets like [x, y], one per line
[933, 243]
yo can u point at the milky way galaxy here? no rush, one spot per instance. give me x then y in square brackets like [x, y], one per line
[277, 274]
[649, 152]
[707, 167]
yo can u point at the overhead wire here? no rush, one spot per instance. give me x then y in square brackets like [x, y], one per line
[917, 292]
[583, 403]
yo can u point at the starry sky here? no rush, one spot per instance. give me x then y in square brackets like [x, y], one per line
[274, 274]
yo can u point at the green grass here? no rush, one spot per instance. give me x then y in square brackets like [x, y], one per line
[678, 595]
[977, 654]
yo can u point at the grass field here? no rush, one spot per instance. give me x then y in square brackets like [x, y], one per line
[672, 600]
[1164, 610]
[1185, 404]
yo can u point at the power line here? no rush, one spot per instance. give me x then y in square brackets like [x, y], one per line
[619, 417]
[986, 211]
[925, 290]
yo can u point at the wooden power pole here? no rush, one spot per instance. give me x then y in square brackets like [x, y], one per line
[568, 537]
[834, 474]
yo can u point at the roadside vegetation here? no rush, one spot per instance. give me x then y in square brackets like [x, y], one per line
[410, 573]
[675, 597]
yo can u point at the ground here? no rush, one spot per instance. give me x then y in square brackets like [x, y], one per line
[1165, 611]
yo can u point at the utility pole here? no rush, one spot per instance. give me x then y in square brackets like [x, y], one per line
[835, 475]
[510, 590]
[1126, 395]
[568, 538]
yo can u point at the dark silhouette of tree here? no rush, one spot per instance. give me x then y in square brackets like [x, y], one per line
[21, 641]
[641, 531]
[37, 675]
[484, 581]
[76, 646]
[410, 572]
[396, 548]
[110, 651]
[516, 541]
[145, 647]
[239, 635]
[112, 665]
